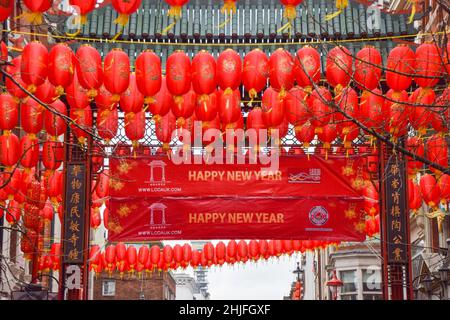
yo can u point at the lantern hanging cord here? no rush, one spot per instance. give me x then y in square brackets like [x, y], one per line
[192, 44]
[340, 5]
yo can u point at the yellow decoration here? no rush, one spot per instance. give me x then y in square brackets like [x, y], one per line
[175, 13]
[290, 14]
[340, 5]
[413, 10]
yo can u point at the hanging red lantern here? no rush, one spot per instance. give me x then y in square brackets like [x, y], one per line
[430, 190]
[305, 134]
[178, 74]
[264, 248]
[102, 187]
[9, 110]
[31, 217]
[444, 188]
[110, 258]
[155, 252]
[94, 258]
[229, 106]
[203, 73]
[104, 99]
[61, 67]
[414, 196]
[76, 95]
[177, 254]
[83, 8]
[11, 183]
[47, 213]
[95, 218]
[83, 118]
[121, 254]
[255, 72]
[6, 9]
[34, 65]
[253, 249]
[135, 126]
[46, 92]
[220, 252]
[229, 70]
[416, 146]
[9, 148]
[14, 69]
[242, 251]
[162, 103]
[148, 75]
[256, 122]
[167, 255]
[208, 251]
[54, 124]
[339, 68]
[400, 68]
[13, 212]
[371, 109]
[273, 108]
[290, 12]
[368, 70]
[37, 9]
[175, 9]
[398, 117]
[132, 100]
[89, 69]
[195, 259]
[55, 186]
[437, 151]
[207, 107]
[29, 147]
[107, 123]
[143, 255]
[55, 255]
[429, 64]
[125, 8]
[131, 258]
[296, 108]
[231, 251]
[164, 130]
[32, 116]
[187, 255]
[281, 71]
[327, 136]
[320, 111]
[420, 117]
[116, 71]
[288, 247]
[307, 67]
[28, 243]
[184, 108]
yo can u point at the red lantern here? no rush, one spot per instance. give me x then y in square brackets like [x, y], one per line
[178, 73]
[163, 102]
[37, 8]
[95, 219]
[110, 258]
[125, 8]
[437, 151]
[9, 148]
[207, 107]
[132, 99]
[76, 95]
[34, 65]
[29, 147]
[175, 8]
[89, 69]
[155, 253]
[135, 126]
[116, 70]
[339, 68]
[94, 258]
[327, 136]
[32, 116]
[83, 118]
[9, 111]
[221, 251]
[253, 249]
[397, 116]
[83, 8]
[208, 251]
[203, 73]
[420, 117]
[414, 145]
[14, 71]
[371, 109]
[102, 188]
[143, 255]
[444, 187]
[429, 64]
[104, 99]
[242, 250]
[121, 254]
[255, 72]
[107, 123]
[165, 128]
[307, 66]
[46, 92]
[400, 68]
[256, 122]
[54, 124]
[47, 212]
[55, 186]
[296, 108]
[229, 106]
[273, 108]
[183, 108]
[368, 71]
[430, 190]
[6, 9]
[167, 255]
[414, 196]
[55, 255]
[305, 134]
[317, 103]
[195, 259]
[13, 212]
[148, 75]
[131, 258]
[231, 251]
[229, 70]
[60, 67]
[187, 255]
[281, 71]
[52, 154]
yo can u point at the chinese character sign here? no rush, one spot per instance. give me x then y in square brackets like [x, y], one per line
[74, 221]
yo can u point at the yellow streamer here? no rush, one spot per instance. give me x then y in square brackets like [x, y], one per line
[175, 13]
[290, 14]
[413, 10]
[31, 17]
[229, 8]
[340, 5]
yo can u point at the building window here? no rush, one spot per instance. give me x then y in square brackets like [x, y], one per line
[371, 280]
[349, 290]
[109, 288]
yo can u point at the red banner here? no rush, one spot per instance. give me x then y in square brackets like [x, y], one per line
[154, 199]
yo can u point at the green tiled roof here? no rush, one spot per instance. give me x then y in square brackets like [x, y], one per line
[254, 19]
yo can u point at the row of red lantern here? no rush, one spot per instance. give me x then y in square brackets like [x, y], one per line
[434, 149]
[124, 258]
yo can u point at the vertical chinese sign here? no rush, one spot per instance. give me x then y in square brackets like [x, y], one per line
[395, 233]
[75, 216]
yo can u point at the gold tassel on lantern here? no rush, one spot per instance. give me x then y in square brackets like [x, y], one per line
[229, 8]
[340, 5]
[290, 14]
[175, 13]
[413, 10]
[34, 18]
[122, 20]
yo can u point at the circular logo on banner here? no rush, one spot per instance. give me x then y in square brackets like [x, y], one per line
[318, 215]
